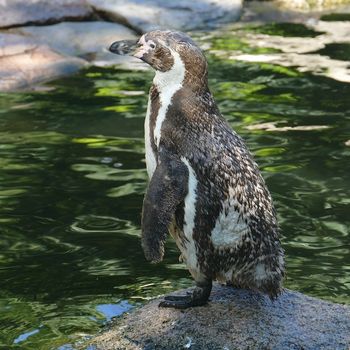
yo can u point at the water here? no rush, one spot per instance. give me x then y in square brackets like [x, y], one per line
[73, 177]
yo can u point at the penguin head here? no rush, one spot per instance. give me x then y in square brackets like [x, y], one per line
[162, 51]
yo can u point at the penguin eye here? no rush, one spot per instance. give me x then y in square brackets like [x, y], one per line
[152, 45]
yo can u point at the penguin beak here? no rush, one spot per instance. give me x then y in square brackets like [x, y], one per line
[124, 47]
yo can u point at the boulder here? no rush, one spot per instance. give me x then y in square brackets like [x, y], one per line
[234, 319]
[24, 63]
[88, 40]
[21, 12]
[146, 15]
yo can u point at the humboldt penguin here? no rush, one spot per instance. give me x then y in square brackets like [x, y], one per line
[205, 188]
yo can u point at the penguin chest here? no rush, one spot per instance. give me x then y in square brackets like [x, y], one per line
[165, 85]
[159, 103]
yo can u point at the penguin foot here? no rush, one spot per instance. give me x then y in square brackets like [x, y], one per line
[198, 297]
[178, 297]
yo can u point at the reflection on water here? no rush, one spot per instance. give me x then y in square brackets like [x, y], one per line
[113, 310]
[73, 178]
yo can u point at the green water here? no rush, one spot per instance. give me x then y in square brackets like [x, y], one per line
[73, 176]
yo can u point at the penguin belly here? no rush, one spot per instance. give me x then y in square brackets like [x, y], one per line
[242, 259]
[232, 255]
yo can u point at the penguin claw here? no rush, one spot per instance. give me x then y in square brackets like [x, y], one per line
[177, 301]
[177, 304]
[178, 297]
[192, 299]
[197, 297]
[183, 303]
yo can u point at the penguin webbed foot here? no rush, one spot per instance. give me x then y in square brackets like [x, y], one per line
[198, 297]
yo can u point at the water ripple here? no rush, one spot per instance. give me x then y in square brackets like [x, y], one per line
[97, 223]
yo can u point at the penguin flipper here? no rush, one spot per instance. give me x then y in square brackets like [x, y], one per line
[166, 190]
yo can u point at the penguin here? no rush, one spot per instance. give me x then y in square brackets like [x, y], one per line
[205, 189]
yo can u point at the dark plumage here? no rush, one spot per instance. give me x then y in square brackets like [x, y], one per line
[205, 187]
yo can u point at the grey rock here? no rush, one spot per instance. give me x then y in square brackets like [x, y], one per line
[24, 63]
[35, 54]
[234, 319]
[20, 12]
[146, 15]
[310, 5]
[88, 40]
[13, 44]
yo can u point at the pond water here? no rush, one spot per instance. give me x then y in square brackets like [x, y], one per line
[73, 177]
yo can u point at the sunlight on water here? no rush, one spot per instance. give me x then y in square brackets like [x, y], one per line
[73, 179]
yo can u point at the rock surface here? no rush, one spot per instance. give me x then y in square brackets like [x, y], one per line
[35, 54]
[146, 15]
[23, 63]
[20, 12]
[234, 319]
[88, 40]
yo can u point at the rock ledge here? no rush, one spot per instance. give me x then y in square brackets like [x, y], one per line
[234, 319]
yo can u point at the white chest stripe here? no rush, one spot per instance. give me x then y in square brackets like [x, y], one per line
[150, 157]
[190, 201]
[189, 252]
[167, 83]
